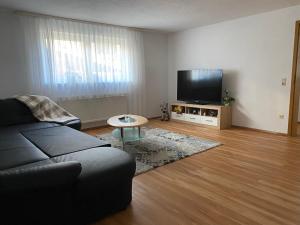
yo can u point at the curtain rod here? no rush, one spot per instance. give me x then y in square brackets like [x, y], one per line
[26, 13]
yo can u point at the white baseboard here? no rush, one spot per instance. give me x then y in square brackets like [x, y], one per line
[93, 123]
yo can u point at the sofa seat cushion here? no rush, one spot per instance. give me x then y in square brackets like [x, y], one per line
[102, 168]
[61, 140]
[16, 150]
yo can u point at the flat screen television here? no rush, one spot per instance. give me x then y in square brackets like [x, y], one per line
[201, 86]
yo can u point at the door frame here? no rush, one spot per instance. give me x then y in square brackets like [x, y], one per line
[294, 95]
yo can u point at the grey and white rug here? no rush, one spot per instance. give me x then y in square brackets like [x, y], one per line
[160, 147]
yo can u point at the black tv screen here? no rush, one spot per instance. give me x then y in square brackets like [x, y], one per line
[201, 86]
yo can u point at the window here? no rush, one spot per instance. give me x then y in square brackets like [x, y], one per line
[71, 60]
[87, 62]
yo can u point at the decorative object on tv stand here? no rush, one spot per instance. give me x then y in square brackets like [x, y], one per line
[164, 108]
[227, 99]
[178, 109]
[212, 113]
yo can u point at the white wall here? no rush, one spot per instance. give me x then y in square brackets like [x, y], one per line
[255, 53]
[156, 63]
[14, 81]
[12, 68]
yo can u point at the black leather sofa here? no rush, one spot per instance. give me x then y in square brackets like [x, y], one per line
[54, 174]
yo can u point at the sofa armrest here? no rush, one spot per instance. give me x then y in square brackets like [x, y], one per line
[54, 175]
[75, 124]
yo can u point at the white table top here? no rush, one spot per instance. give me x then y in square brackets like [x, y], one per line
[115, 122]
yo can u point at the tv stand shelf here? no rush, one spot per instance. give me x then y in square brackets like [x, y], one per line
[216, 116]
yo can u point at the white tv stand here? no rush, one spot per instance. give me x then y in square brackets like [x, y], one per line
[216, 116]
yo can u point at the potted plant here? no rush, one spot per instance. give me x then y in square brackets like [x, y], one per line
[227, 99]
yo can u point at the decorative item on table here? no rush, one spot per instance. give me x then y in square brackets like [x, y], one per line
[127, 119]
[227, 99]
[164, 108]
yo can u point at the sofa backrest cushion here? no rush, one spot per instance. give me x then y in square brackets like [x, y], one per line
[14, 112]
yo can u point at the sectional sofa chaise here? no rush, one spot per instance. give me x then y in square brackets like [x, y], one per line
[54, 174]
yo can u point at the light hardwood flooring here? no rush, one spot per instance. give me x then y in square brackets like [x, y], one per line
[253, 178]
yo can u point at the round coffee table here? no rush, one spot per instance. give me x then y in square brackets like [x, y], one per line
[128, 127]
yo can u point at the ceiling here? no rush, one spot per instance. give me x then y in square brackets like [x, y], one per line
[163, 15]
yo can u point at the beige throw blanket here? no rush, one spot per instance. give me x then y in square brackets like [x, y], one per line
[44, 109]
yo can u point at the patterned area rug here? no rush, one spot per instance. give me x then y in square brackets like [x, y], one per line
[160, 147]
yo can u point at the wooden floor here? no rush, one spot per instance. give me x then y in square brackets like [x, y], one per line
[253, 178]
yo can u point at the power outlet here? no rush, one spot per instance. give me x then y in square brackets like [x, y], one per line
[283, 81]
[281, 116]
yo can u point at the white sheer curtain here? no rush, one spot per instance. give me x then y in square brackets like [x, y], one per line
[75, 60]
